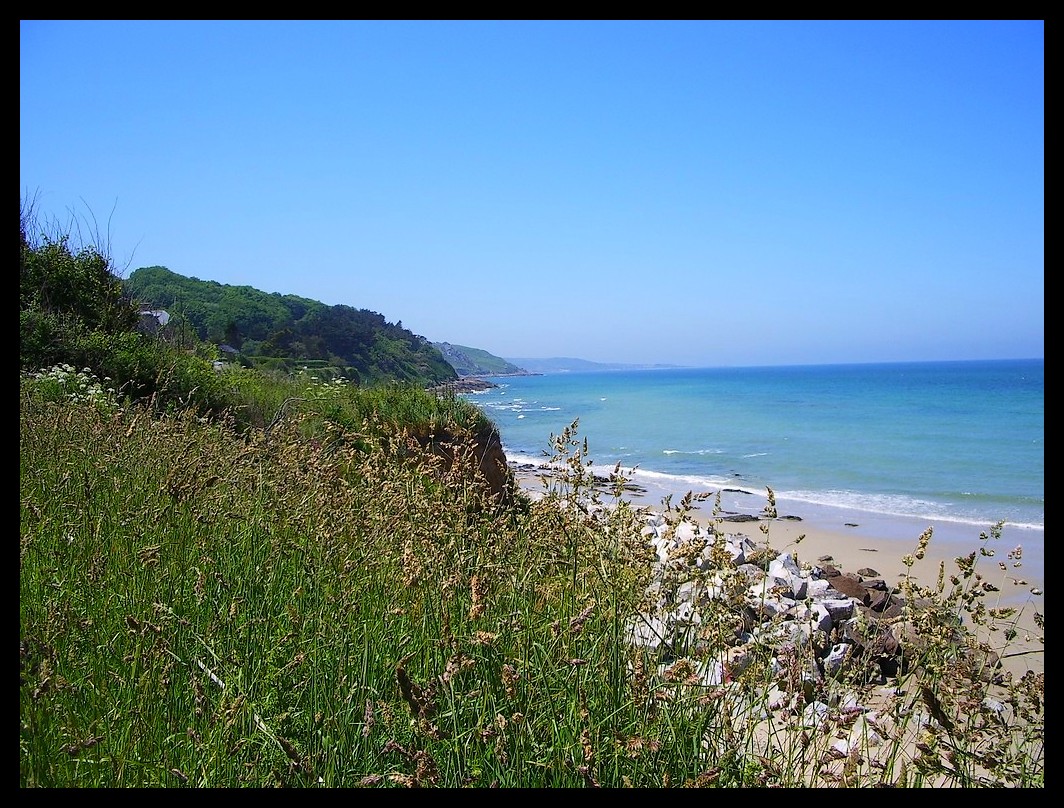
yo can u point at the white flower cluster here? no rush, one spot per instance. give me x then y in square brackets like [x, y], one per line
[321, 390]
[63, 382]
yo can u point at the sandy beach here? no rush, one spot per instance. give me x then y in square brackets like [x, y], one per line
[853, 542]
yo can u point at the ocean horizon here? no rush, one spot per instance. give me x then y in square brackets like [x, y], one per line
[884, 449]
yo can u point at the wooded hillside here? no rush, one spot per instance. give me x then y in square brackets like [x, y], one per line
[274, 329]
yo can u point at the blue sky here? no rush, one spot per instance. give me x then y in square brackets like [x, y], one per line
[691, 192]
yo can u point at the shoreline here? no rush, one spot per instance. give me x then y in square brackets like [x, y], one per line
[855, 541]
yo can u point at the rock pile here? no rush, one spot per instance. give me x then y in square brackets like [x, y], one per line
[836, 615]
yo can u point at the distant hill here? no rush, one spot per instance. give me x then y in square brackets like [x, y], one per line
[477, 362]
[565, 364]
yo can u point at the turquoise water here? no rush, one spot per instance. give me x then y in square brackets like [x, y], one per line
[891, 446]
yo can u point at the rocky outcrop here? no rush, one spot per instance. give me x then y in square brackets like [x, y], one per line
[481, 456]
[466, 384]
[838, 616]
[492, 465]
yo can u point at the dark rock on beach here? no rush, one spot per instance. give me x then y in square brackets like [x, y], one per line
[467, 384]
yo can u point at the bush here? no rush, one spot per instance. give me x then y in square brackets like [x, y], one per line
[64, 292]
[62, 383]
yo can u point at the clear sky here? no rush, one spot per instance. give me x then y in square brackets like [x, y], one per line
[689, 192]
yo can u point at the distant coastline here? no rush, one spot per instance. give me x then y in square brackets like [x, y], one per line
[566, 364]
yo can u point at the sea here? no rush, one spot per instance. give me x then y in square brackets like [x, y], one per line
[876, 449]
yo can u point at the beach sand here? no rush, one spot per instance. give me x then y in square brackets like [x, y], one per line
[854, 542]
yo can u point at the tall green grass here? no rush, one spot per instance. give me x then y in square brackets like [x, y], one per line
[277, 600]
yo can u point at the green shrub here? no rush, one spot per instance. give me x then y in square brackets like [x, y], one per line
[65, 291]
[62, 383]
